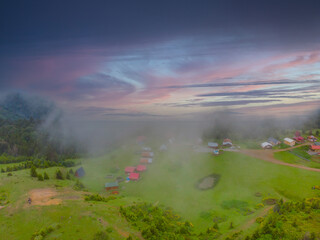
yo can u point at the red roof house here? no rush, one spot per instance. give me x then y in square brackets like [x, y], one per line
[129, 169]
[141, 168]
[298, 139]
[315, 148]
[147, 154]
[134, 176]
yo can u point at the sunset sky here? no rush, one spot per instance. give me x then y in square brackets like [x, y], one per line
[160, 59]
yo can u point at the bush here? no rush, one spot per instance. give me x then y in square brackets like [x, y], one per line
[101, 236]
[78, 185]
[40, 177]
[33, 172]
[68, 176]
[9, 174]
[71, 171]
[59, 174]
[45, 176]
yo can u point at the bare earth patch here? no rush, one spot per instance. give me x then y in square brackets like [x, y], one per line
[44, 197]
[206, 183]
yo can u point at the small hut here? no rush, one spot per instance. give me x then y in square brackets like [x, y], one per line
[134, 176]
[299, 139]
[213, 145]
[129, 169]
[147, 154]
[141, 168]
[266, 145]
[163, 148]
[111, 186]
[227, 142]
[312, 138]
[315, 148]
[273, 141]
[80, 172]
[289, 141]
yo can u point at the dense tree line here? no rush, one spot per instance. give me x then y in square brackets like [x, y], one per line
[23, 138]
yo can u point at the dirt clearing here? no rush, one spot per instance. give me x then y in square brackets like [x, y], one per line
[44, 197]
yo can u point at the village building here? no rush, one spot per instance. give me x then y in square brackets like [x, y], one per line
[134, 176]
[129, 169]
[227, 142]
[316, 143]
[289, 141]
[266, 145]
[141, 168]
[213, 145]
[312, 138]
[273, 141]
[145, 160]
[147, 154]
[163, 148]
[215, 152]
[111, 186]
[80, 172]
[315, 148]
[299, 139]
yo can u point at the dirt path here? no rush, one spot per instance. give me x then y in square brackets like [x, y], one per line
[267, 155]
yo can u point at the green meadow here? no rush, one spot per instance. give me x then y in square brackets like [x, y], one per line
[170, 181]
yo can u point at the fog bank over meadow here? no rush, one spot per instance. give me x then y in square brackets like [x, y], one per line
[96, 136]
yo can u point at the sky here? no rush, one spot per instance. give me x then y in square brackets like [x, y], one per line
[164, 59]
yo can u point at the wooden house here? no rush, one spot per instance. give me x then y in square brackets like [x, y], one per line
[289, 141]
[266, 145]
[213, 145]
[315, 148]
[134, 176]
[80, 172]
[147, 154]
[111, 186]
[141, 168]
[227, 142]
[129, 169]
[273, 141]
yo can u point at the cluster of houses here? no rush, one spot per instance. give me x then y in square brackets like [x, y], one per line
[215, 146]
[133, 173]
[315, 146]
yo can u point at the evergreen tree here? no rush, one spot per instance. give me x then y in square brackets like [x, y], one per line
[68, 176]
[33, 172]
[45, 176]
[40, 177]
[59, 174]
[71, 171]
[2, 170]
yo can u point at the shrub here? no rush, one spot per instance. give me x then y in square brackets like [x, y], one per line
[259, 205]
[40, 177]
[269, 201]
[68, 176]
[259, 220]
[71, 171]
[33, 172]
[101, 236]
[45, 176]
[78, 185]
[59, 174]
[9, 174]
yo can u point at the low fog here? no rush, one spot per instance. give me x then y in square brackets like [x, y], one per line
[96, 137]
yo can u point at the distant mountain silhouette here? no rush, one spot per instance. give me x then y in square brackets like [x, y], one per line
[19, 106]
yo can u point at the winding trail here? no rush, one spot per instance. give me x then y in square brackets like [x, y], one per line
[267, 155]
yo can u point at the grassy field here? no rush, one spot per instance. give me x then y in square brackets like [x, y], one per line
[170, 181]
[289, 157]
[78, 219]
